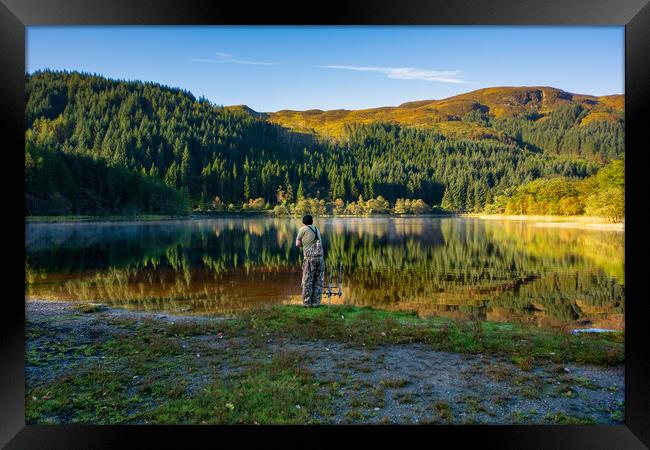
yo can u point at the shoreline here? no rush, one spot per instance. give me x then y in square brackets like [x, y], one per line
[577, 222]
[115, 218]
[580, 222]
[298, 365]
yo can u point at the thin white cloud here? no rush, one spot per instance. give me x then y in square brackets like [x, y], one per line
[227, 58]
[256, 63]
[406, 73]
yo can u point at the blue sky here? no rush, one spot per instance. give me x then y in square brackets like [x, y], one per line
[272, 68]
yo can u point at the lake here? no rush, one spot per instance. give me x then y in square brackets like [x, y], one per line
[462, 268]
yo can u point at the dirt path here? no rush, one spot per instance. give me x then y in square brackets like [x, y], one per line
[406, 383]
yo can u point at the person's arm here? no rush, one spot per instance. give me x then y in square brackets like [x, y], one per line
[299, 238]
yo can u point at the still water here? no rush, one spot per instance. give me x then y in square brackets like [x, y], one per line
[454, 267]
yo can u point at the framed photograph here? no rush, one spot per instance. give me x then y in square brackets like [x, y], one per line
[410, 214]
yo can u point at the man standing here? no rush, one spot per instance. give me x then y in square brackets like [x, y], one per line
[313, 264]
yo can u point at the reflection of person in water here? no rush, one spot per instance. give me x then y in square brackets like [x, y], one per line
[313, 265]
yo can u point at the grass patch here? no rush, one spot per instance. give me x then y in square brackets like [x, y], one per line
[585, 383]
[395, 382]
[53, 352]
[369, 327]
[500, 373]
[519, 416]
[89, 308]
[617, 415]
[561, 418]
[404, 398]
[474, 405]
[523, 362]
[531, 392]
[94, 395]
[444, 411]
[354, 416]
[374, 398]
[277, 392]
[565, 390]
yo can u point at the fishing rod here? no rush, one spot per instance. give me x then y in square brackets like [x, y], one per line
[339, 283]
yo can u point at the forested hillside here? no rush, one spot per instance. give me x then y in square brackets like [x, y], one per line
[538, 118]
[601, 195]
[96, 146]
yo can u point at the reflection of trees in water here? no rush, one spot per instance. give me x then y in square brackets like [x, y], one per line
[570, 247]
[451, 267]
[81, 247]
[205, 291]
[177, 245]
[533, 272]
[567, 296]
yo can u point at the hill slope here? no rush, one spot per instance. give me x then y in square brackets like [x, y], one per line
[453, 116]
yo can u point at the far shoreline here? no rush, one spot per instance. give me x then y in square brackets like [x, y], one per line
[550, 221]
[579, 222]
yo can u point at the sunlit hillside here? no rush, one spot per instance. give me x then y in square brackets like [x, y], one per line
[453, 116]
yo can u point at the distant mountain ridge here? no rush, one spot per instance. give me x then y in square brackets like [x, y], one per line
[446, 115]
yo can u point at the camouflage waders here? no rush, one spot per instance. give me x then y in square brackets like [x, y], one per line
[313, 273]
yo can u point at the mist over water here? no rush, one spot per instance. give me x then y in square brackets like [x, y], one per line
[453, 267]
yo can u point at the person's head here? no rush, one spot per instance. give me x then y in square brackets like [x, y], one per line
[308, 219]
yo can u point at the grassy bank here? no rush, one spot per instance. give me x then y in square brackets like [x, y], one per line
[289, 364]
[370, 327]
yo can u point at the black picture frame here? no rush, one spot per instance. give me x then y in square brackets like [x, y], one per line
[15, 15]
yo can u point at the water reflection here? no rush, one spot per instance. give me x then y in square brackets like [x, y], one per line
[454, 267]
